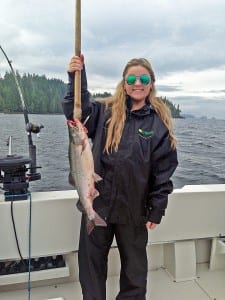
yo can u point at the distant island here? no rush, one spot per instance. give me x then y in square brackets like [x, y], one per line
[199, 117]
[44, 96]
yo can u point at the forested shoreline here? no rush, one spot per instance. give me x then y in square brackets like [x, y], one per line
[43, 95]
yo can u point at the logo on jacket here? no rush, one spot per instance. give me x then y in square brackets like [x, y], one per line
[145, 133]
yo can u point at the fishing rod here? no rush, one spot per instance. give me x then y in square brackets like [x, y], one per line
[30, 128]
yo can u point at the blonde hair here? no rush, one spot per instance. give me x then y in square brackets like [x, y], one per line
[117, 106]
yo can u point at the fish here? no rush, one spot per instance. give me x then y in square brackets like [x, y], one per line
[82, 175]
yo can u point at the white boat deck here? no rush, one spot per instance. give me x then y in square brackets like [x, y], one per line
[208, 285]
[186, 252]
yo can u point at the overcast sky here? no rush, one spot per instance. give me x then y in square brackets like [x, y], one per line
[183, 39]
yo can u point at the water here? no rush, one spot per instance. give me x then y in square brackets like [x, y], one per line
[201, 149]
[201, 152]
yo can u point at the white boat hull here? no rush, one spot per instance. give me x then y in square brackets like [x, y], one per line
[186, 252]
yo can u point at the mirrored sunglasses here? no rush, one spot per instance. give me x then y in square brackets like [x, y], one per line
[144, 79]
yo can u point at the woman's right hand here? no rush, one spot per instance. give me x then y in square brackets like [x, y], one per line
[76, 63]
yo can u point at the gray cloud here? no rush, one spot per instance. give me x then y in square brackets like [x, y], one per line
[168, 88]
[176, 36]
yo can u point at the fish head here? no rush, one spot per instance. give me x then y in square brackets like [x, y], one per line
[77, 131]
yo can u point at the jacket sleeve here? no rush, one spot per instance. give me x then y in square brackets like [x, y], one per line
[89, 107]
[164, 163]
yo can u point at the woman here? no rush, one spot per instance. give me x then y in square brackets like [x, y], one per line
[134, 152]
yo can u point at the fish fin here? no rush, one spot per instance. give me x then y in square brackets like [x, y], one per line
[95, 194]
[80, 206]
[90, 226]
[97, 221]
[71, 180]
[97, 177]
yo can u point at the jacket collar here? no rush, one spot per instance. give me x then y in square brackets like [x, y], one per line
[145, 110]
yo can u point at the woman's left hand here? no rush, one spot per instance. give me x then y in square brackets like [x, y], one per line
[150, 225]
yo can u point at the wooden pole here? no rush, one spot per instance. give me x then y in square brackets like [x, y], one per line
[77, 79]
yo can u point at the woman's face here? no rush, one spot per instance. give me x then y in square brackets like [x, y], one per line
[138, 91]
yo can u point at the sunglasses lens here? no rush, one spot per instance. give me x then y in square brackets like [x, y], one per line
[131, 79]
[145, 79]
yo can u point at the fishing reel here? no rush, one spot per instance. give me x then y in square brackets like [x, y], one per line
[13, 177]
[32, 128]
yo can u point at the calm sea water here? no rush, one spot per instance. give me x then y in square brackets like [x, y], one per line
[201, 149]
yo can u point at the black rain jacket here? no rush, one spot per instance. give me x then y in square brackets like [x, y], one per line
[136, 179]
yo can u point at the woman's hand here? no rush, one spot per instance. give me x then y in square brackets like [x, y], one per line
[76, 63]
[150, 225]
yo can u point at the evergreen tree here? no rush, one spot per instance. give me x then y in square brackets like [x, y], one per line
[43, 95]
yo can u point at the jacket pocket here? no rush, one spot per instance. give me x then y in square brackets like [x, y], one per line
[145, 143]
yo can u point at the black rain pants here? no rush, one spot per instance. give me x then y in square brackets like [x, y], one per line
[93, 256]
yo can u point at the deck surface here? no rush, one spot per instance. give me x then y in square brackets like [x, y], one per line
[209, 285]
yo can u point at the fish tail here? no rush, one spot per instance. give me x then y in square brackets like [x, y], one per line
[97, 221]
